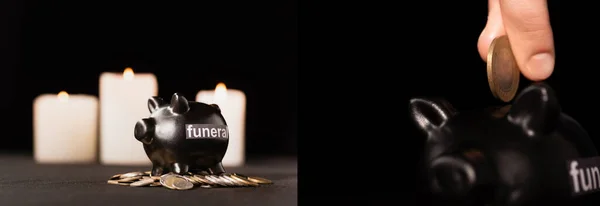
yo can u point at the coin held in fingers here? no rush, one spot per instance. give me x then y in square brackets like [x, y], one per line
[502, 69]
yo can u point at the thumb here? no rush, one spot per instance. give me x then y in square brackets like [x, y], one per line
[527, 25]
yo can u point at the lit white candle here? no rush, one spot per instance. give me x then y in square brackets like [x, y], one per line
[65, 128]
[233, 108]
[123, 101]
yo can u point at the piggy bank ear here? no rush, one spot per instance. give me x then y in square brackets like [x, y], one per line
[154, 103]
[179, 104]
[535, 109]
[216, 107]
[430, 114]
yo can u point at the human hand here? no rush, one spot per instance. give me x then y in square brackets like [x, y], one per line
[527, 25]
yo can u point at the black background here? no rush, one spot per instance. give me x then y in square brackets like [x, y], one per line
[369, 59]
[66, 45]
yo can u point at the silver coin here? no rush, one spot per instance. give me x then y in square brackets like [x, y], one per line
[143, 182]
[221, 181]
[166, 180]
[210, 180]
[131, 174]
[227, 181]
[236, 182]
[215, 180]
[181, 183]
[176, 182]
[206, 186]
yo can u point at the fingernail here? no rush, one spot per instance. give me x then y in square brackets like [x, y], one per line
[541, 65]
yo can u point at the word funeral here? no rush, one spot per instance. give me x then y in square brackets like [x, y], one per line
[197, 131]
[585, 175]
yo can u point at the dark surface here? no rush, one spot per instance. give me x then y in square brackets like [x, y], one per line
[23, 182]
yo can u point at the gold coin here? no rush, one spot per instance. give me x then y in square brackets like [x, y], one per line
[502, 69]
[190, 179]
[155, 184]
[201, 179]
[260, 180]
[244, 180]
[240, 176]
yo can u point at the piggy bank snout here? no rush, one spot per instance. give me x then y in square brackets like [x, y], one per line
[452, 176]
[144, 130]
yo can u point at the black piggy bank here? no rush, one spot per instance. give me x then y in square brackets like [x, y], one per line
[183, 136]
[512, 155]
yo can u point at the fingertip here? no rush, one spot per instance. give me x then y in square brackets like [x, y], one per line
[539, 67]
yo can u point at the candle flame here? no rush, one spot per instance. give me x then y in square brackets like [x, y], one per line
[128, 74]
[220, 92]
[63, 96]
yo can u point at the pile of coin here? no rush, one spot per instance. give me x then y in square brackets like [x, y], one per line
[187, 181]
[502, 69]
